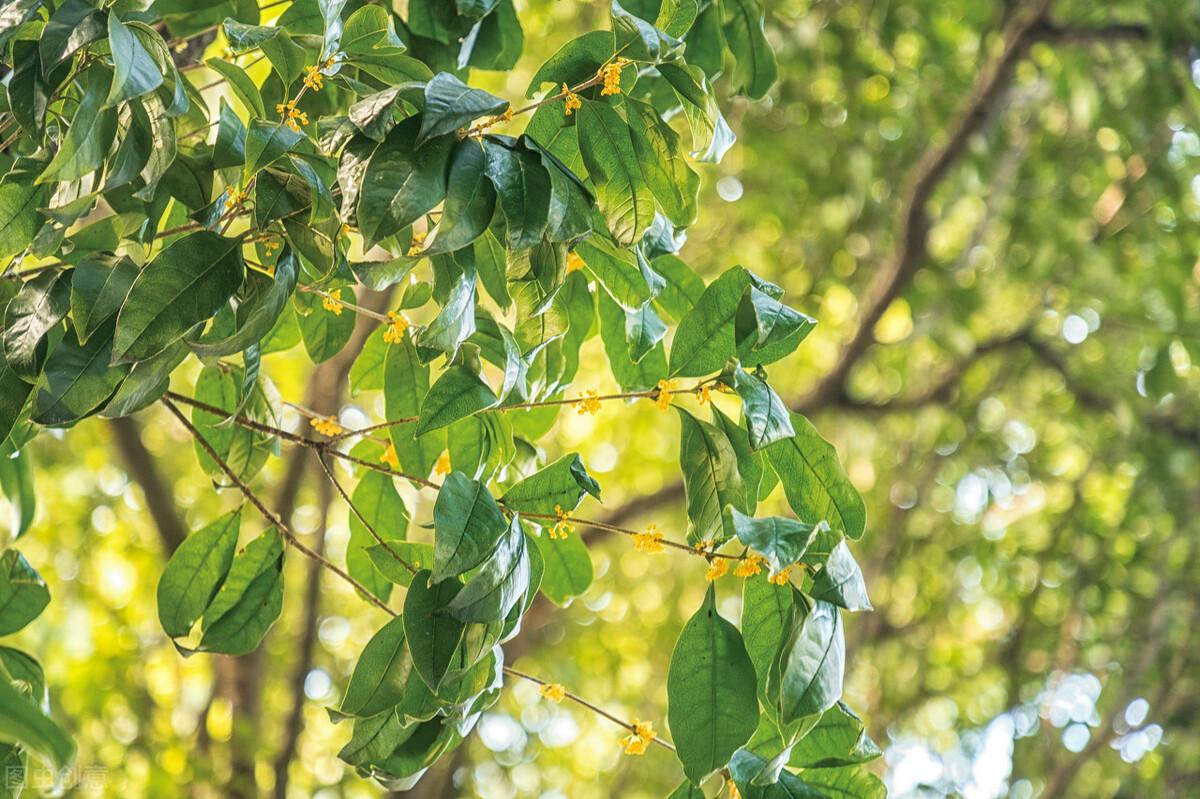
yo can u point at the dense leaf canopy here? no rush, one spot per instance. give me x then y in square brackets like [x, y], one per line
[472, 369]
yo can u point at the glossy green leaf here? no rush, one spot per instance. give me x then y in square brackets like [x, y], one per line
[767, 611]
[185, 284]
[467, 525]
[250, 599]
[568, 567]
[382, 508]
[195, 572]
[806, 677]
[98, 288]
[266, 142]
[754, 70]
[780, 540]
[405, 383]
[402, 181]
[562, 484]
[77, 379]
[23, 593]
[767, 418]
[387, 557]
[815, 483]
[458, 392]
[612, 163]
[23, 722]
[500, 582]
[711, 704]
[380, 675]
[433, 634]
[840, 581]
[450, 104]
[470, 200]
[839, 739]
[710, 479]
[524, 189]
[38, 306]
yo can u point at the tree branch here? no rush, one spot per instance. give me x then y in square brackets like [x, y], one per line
[160, 500]
[913, 222]
[1059, 33]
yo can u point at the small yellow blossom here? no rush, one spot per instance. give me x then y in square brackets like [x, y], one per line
[571, 100]
[717, 569]
[663, 399]
[703, 548]
[612, 76]
[734, 793]
[313, 79]
[332, 302]
[649, 541]
[394, 332]
[553, 691]
[389, 457]
[639, 739]
[589, 403]
[418, 241]
[326, 426]
[499, 119]
[235, 199]
[563, 527]
[704, 394]
[442, 466]
[751, 565]
[574, 262]
[271, 245]
[293, 116]
[781, 578]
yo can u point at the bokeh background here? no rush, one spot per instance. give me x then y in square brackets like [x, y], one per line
[1020, 412]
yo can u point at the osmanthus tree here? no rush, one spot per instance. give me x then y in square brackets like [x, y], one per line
[148, 218]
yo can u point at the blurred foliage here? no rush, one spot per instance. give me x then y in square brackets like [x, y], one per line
[1025, 432]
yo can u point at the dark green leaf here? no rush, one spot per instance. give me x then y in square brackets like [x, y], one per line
[250, 599]
[459, 392]
[467, 525]
[621, 192]
[780, 540]
[562, 485]
[98, 287]
[710, 479]
[568, 567]
[755, 70]
[23, 722]
[23, 593]
[433, 634]
[194, 573]
[379, 677]
[840, 581]
[766, 417]
[450, 104]
[806, 677]
[40, 304]
[77, 379]
[500, 582]
[401, 181]
[839, 739]
[136, 71]
[816, 486]
[470, 201]
[523, 187]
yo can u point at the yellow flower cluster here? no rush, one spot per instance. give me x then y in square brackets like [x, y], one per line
[636, 743]
[394, 333]
[313, 79]
[574, 262]
[332, 302]
[781, 578]
[389, 457]
[418, 241]
[717, 568]
[553, 691]
[611, 73]
[235, 199]
[571, 100]
[442, 466]
[271, 245]
[293, 116]
[326, 426]
[704, 394]
[751, 565]
[649, 541]
[663, 398]
[563, 527]
[590, 403]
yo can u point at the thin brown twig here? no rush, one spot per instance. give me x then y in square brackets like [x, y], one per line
[358, 514]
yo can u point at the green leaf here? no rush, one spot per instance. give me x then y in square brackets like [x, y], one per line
[751, 465]
[380, 675]
[74, 24]
[523, 187]
[470, 201]
[814, 482]
[136, 71]
[568, 567]
[263, 301]
[458, 393]
[562, 484]
[618, 272]
[711, 135]
[401, 181]
[675, 17]
[250, 599]
[240, 83]
[766, 416]
[433, 634]
[621, 192]
[500, 582]
[98, 287]
[23, 722]
[266, 142]
[640, 40]
[16, 484]
[839, 739]
[766, 616]
[643, 330]
[467, 525]
[376, 498]
[77, 379]
[780, 540]
[376, 737]
[710, 479]
[840, 581]
[711, 704]
[704, 340]
[575, 61]
[23, 593]
[90, 134]
[754, 71]
[666, 172]
[685, 790]
[405, 383]
[450, 104]
[806, 677]
[630, 376]
[367, 372]
[39, 305]
[20, 219]
[187, 283]
[768, 330]
[194, 573]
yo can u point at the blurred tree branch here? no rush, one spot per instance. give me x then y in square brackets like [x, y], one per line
[160, 500]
